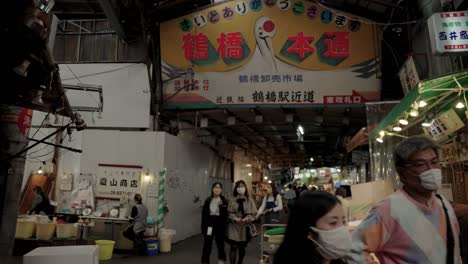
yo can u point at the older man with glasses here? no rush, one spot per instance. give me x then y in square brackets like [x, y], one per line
[414, 225]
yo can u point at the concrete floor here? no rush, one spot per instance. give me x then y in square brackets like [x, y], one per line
[189, 251]
[185, 252]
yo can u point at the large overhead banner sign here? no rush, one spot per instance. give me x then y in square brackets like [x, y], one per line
[269, 53]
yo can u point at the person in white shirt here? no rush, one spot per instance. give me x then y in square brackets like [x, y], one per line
[271, 205]
[290, 196]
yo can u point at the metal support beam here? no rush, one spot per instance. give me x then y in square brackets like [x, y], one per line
[113, 18]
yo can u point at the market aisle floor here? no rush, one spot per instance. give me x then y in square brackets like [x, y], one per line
[188, 251]
[185, 252]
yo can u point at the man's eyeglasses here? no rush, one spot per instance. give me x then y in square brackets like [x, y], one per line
[422, 165]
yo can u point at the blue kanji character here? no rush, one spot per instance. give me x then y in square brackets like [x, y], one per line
[254, 78]
[265, 78]
[276, 78]
[442, 35]
[463, 34]
[453, 35]
[287, 78]
[298, 78]
[243, 78]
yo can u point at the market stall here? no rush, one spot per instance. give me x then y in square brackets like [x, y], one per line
[437, 109]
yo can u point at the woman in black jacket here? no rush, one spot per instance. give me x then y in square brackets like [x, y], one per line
[214, 222]
[41, 204]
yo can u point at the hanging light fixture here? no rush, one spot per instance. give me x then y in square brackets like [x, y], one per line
[422, 104]
[40, 170]
[403, 121]
[397, 128]
[459, 105]
[414, 113]
[382, 133]
[426, 123]
[379, 139]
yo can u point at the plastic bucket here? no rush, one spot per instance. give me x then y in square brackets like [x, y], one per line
[165, 239]
[165, 245]
[66, 230]
[45, 231]
[152, 247]
[106, 247]
[25, 229]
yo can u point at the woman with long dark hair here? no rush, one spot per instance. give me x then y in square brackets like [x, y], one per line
[242, 211]
[214, 221]
[316, 232]
[272, 205]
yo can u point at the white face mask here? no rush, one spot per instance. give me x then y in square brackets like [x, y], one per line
[241, 190]
[431, 179]
[333, 244]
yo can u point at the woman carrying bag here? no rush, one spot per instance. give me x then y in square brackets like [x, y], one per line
[214, 223]
[271, 206]
[242, 211]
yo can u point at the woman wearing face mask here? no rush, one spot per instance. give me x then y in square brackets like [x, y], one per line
[271, 206]
[214, 221]
[316, 232]
[242, 211]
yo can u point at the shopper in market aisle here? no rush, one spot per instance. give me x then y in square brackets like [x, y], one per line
[414, 225]
[290, 197]
[242, 211]
[135, 232]
[214, 221]
[272, 205]
[316, 232]
[41, 204]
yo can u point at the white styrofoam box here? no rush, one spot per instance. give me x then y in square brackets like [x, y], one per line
[60, 255]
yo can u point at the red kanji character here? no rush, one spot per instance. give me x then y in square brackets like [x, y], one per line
[230, 45]
[195, 46]
[338, 45]
[301, 45]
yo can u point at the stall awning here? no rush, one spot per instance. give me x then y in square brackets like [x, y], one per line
[438, 93]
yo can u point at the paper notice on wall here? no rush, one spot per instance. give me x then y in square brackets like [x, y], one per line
[152, 190]
[116, 181]
[66, 182]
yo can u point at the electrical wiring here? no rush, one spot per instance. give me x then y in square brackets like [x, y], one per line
[99, 73]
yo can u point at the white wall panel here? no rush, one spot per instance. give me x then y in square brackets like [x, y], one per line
[126, 93]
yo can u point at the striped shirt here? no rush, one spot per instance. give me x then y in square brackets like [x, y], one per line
[401, 230]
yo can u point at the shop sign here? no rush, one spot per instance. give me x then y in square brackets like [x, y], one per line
[250, 53]
[409, 77]
[116, 181]
[448, 32]
[444, 125]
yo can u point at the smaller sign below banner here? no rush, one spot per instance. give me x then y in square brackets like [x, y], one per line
[448, 32]
[444, 125]
[409, 77]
